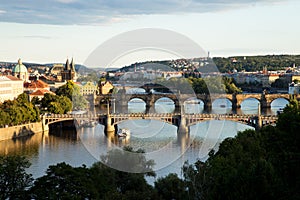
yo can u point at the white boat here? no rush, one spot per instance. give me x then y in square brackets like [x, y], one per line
[123, 133]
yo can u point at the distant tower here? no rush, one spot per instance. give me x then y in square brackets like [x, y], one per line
[69, 72]
[67, 66]
[208, 54]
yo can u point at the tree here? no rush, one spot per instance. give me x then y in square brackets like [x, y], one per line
[63, 181]
[171, 187]
[18, 111]
[35, 100]
[253, 165]
[72, 91]
[56, 104]
[14, 181]
[123, 184]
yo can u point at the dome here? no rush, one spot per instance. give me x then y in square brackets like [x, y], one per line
[19, 68]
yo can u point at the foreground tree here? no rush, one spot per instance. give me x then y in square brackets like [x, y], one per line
[14, 181]
[253, 165]
[63, 181]
[171, 187]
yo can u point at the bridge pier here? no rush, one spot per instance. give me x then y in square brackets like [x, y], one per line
[234, 102]
[109, 128]
[45, 126]
[258, 123]
[182, 127]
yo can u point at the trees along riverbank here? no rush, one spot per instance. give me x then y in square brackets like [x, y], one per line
[18, 111]
[253, 165]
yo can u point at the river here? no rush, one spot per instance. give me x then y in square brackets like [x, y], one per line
[158, 139]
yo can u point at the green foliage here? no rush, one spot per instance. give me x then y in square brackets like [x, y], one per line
[35, 101]
[256, 63]
[56, 104]
[280, 83]
[72, 91]
[253, 165]
[13, 178]
[214, 85]
[63, 181]
[171, 187]
[18, 111]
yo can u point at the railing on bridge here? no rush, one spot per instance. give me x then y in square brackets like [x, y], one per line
[171, 118]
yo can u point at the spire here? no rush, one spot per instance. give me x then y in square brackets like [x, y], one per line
[20, 61]
[73, 65]
[67, 67]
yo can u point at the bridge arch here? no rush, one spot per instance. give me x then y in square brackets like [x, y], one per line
[170, 96]
[133, 108]
[160, 120]
[164, 105]
[222, 102]
[136, 96]
[276, 99]
[247, 122]
[193, 105]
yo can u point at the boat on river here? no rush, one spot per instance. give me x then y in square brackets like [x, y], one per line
[123, 133]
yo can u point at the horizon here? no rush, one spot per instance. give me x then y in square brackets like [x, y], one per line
[49, 63]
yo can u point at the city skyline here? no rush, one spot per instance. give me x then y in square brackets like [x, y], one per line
[51, 31]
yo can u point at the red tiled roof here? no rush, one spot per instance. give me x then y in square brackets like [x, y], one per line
[41, 92]
[36, 84]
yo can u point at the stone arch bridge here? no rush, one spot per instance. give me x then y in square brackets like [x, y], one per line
[121, 100]
[182, 121]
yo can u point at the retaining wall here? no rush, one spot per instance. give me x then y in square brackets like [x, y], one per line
[20, 131]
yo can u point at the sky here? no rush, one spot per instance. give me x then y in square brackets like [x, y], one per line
[53, 30]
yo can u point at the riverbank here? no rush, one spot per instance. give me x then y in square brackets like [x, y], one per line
[14, 132]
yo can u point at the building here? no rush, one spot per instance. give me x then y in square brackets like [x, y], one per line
[10, 87]
[35, 85]
[39, 94]
[105, 87]
[69, 72]
[87, 88]
[294, 88]
[20, 71]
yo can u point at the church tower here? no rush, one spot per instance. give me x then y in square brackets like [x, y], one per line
[69, 72]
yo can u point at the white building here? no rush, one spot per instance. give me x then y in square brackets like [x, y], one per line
[294, 88]
[10, 88]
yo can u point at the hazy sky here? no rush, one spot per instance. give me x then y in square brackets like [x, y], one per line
[52, 30]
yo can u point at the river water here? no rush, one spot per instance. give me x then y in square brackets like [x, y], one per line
[160, 140]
